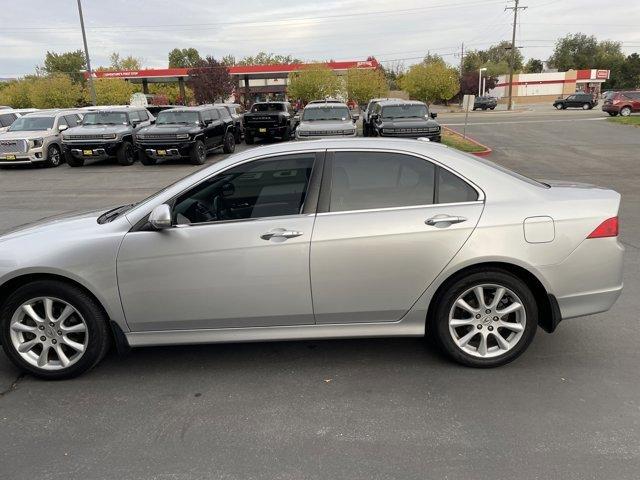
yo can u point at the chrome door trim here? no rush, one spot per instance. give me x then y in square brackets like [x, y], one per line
[410, 207]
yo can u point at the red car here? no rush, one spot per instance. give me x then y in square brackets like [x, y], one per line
[623, 103]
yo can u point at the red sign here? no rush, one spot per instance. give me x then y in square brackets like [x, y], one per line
[602, 74]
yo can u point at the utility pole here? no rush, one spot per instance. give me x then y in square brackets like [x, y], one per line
[461, 68]
[515, 9]
[94, 100]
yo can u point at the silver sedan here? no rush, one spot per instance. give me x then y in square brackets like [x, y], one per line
[319, 239]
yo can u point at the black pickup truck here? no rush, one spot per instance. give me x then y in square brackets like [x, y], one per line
[186, 132]
[269, 120]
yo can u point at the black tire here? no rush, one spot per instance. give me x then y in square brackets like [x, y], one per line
[492, 108]
[248, 138]
[559, 106]
[586, 106]
[198, 153]
[484, 109]
[229, 143]
[439, 322]
[145, 159]
[287, 134]
[54, 156]
[564, 107]
[73, 161]
[92, 313]
[126, 154]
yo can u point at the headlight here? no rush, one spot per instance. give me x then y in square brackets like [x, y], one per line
[182, 136]
[36, 142]
[109, 136]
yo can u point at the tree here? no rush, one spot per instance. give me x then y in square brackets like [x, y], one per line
[126, 63]
[184, 58]
[313, 82]
[533, 65]
[68, 63]
[56, 91]
[363, 85]
[393, 72]
[228, 60]
[210, 81]
[113, 91]
[629, 73]
[431, 81]
[469, 83]
[263, 58]
[17, 93]
[495, 59]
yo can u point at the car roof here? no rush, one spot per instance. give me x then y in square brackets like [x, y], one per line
[326, 105]
[117, 108]
[398, 102]
[52, 112]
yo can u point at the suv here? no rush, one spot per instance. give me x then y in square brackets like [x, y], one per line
[105, 133]
[8, 115]
[269, 120]
[485, 102]
[35, 137]
[237, 113]
[404, 118]
[584, 101]
[623, 103]
[188, 132]
[366, 114]
[326, 120]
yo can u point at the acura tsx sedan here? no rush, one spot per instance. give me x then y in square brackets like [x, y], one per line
[337, 238]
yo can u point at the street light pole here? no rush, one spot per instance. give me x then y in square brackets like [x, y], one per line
[94, 100]
[480, 70]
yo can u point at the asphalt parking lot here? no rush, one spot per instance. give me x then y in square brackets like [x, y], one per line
[386, 409]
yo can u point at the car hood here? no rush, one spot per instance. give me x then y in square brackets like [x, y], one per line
[409, 122]
[47, 227]
[325, 125]
[170, 128]
[96, 129]
[25, 134]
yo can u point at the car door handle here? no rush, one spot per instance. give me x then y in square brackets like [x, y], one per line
[451, 219]
[280, 233]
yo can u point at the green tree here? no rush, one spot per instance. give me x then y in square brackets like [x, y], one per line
[363, 85]
[314, 82]
[495, 59]
[127, 63]
[228, 60]
[184, 58]
[68, 63]
[533, 65]
[113, 91]
[629, 76]
[393, 72]
[56, 91]
[431, 81]
[17, 93]
[264, 58]
[574, 51]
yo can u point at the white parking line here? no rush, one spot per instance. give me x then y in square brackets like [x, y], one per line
[527, 121]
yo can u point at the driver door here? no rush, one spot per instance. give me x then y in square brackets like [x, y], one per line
[238, 255]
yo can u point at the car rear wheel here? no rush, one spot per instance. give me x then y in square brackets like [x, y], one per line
[54, 156]
[126, 155]
[625, 111]
[229, 144]
[53, 330]
[485, 319]
[198, 154]
[586, 106]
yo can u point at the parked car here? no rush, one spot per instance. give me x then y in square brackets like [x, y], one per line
[485, 102]
[8, 116]
[326, 239]
[404, 118]
[156, 109]
[237, 113]
[329, 119]
[366, 114]
[35, 138]
[586, 101]
[326, 100]
[186, 132]
[269, 120]
[105, 133]
[623, 103]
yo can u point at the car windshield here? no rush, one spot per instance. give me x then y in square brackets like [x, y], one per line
[168, 116]
[268, 107]
[325, 113]
[24, 124]
[105, 118]
[405, 111]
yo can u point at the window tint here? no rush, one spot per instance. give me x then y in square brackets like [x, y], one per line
[263, 188]
[7, 119]
[206, 115]
[452, 189]
[134, 116]
[224, 113]
[144, 116]
[214, 114]
[62, 121]
[72, 120]
[366, 180]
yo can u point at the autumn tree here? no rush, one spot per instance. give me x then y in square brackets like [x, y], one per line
[68, 63]
[431, 81]
[113, 91]
[264, 58]
[495, 59]
[184, 58]
[363, 85]
[313, 82]
[210, 81]
[17, 93]
[127, 63]
[55, 91]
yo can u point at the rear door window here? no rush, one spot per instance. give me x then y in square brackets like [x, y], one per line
[7, 119]
[72, 120]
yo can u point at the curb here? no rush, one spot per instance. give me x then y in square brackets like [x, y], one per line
[483, 153]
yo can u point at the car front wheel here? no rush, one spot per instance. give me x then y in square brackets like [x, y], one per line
[229, 143]
[53, 330]
[559, 106]
[54, 156]
[126, 154]
[485, 319]
[625, 111]
[198, 153]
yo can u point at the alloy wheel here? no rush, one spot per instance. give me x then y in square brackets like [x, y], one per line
[48, 333]
[54, 156]
[487, 320]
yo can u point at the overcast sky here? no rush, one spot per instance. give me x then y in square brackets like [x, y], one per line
[311, 30]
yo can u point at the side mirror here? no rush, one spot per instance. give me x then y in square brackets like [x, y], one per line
[355, 117]
[433, 114]
[62, 128]
[208, 122]
[160, 217]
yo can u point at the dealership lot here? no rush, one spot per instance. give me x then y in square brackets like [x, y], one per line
[386, 408]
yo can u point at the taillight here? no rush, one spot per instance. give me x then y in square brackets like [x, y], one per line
[608, 228]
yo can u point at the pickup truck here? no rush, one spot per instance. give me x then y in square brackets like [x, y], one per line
[269, 120]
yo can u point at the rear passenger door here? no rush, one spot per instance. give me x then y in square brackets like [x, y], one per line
[216, 129]
[387, 225]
